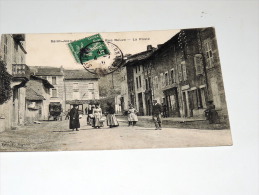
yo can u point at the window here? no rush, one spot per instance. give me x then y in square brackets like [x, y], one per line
[90, 94]
[5, 48]
[136, 69]
[149, 82]
[162, 79]
[54, 80]
[180, 72]
[208, 51]
[184, 71]
[54, 93]
[75, 87]
[156, 82]
[139, 81]
[172, 76]
[166, 78]
[146, 84]
[198, 63]
[90, 86]
[139, 68]
[76, 95]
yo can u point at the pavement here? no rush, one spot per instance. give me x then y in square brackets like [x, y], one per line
[56, 136]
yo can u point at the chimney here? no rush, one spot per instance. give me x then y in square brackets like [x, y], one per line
[149, 47]
[158, 46]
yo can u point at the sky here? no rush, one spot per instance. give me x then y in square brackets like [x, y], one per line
[41, 51]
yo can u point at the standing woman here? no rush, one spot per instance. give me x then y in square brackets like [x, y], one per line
[74, 118]
[111, 119]
[90, 115]
[132, 115]
[97, 112]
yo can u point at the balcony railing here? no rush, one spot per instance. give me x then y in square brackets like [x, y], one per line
[21, 71]
[19, 37]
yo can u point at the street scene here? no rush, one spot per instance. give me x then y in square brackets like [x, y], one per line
[156, 89]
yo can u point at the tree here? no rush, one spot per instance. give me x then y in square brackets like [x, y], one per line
[5, 83]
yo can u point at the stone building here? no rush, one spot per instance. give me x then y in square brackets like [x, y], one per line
[182, 74]
[124, 96]
[136, 83]
[81, 87]
[21, 75]
[55, 76]
[12, 51]
[37, 99]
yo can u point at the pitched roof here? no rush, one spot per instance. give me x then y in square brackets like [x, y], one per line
[139, 56]
[79, 75]
[45, 82]
[48, 71]
[33, 95]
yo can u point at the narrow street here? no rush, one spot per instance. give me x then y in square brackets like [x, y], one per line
[56, 136]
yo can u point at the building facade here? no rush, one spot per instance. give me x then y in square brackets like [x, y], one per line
[182, 74]
[55, 76]
[37, 99]
[12, 51]
[137, 84]
[81, 87]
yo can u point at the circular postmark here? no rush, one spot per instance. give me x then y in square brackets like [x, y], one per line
[109, 62]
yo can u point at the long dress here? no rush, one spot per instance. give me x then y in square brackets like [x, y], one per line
[97, 112]
[74, 119]
[89, 117]
[132, 116]
[111, 119]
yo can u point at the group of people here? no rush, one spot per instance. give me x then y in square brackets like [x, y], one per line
[156, 115]
[95, 117]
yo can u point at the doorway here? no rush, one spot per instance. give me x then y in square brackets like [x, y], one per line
[140, 100]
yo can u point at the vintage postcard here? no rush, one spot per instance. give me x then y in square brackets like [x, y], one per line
[102, 91]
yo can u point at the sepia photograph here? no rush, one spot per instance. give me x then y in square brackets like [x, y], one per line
[103, 91]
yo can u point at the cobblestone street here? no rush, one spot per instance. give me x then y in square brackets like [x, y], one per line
[56, 136]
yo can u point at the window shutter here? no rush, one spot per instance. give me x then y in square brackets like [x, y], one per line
[184, 71]
[198, 64]
[180, 72]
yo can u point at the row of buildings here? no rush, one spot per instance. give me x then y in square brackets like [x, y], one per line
[182, 74]
[35, 89]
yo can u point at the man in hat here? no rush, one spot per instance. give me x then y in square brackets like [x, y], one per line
[211, 113]
[74, 118]
[156, 115]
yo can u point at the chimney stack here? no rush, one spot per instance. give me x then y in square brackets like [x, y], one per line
[149, 47]
[158, 46]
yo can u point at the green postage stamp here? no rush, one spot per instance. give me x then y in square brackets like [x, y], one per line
[89, 48]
